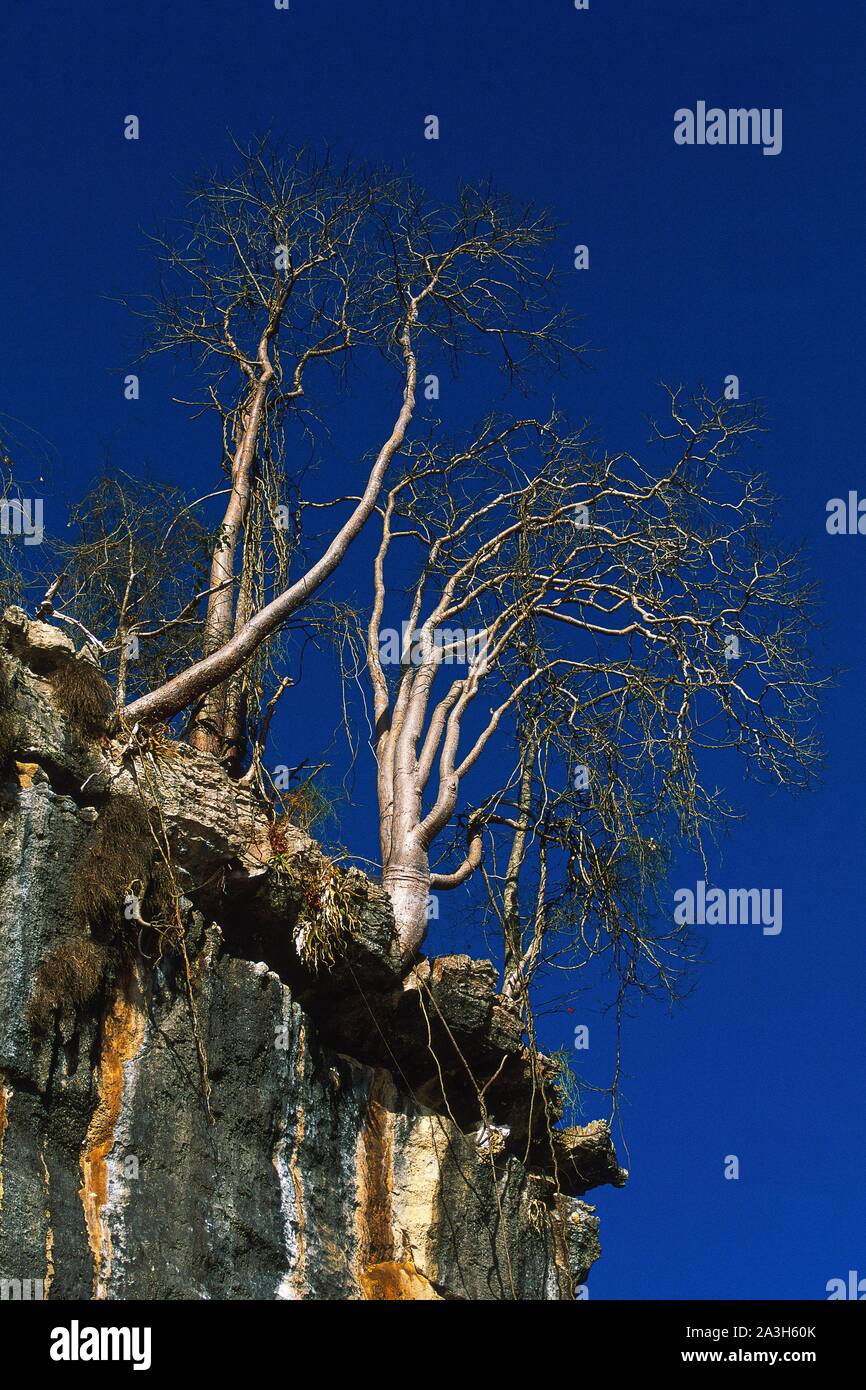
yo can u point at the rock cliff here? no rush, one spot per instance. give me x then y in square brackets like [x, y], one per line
[215, 1082]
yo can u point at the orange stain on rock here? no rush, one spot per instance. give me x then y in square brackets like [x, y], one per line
[382, 1275]
[396, 1280]
[123, 1033]
[375, 1179]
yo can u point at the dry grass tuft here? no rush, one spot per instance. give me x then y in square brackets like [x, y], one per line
[84, 695]
[121, 854]
[70, 977]
[122, 858]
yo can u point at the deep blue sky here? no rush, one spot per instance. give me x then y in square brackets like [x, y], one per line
[703, 262]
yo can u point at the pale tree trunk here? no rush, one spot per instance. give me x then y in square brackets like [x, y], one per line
[122, 668]
[202, 677]
[405, 863]
[235, 714]
[511, 889]
[406, 833]
[208, 727]
[406, 880]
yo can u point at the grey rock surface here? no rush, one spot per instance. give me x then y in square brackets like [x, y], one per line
[234, 1125]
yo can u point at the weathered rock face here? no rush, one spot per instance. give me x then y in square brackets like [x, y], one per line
[217, 1120]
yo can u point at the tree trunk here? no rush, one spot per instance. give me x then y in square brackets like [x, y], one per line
[512, 925]
[206, 674]
[406, 880]
[208, 728]
[234, 739]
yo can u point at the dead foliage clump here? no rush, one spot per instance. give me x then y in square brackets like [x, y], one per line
[84, 695]
[121, 861]
[120, 855]
[70, 978]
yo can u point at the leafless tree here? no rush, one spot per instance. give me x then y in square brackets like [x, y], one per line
[279, 269]
[643, 605]
[627, 617]
[577, 848]
[130, 580]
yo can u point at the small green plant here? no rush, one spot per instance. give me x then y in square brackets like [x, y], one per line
[568, 1095]
[331, 904]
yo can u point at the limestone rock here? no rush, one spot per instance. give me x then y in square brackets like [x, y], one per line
[250, 1128]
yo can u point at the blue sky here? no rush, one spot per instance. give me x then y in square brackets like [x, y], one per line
[703, 262]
